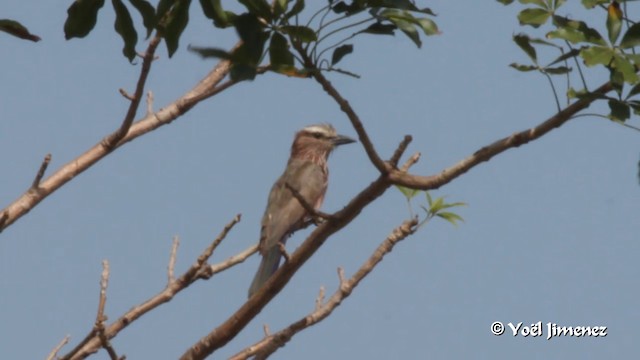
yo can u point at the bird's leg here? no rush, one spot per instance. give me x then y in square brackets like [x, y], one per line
[283, 251]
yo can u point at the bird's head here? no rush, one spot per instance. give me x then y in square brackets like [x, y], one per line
[317, 141]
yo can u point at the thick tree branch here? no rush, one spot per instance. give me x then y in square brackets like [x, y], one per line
[206, 88]
[226, 331]
[487, 152]
[98, 337]
[272, 342]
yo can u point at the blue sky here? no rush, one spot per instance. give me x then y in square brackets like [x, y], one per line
[550, 233]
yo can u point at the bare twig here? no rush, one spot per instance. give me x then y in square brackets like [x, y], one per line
[307, 207]
[400, 150]
[489, 151]
[172, 260]
[213, 269]
[112, 140]
[268, 345]
[41, 171]
[125, 94]
[100, 317]
[93, 341]
[149, 103]
[345, 107]
[54, 353]
[206, 88]
[320, 298]
[410, 162]
[283, 251]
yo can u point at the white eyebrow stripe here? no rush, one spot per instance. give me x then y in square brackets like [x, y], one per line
[318, 129]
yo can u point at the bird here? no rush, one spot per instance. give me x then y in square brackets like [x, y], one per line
[306, 172]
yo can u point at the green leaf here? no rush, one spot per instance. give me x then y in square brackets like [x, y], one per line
[635, 90]
[540, 3]
[408, 29]
[247, 56]
[297, 7]
[627, 69]
[16, 29]
[632, 37]
[533, 17]
[407, 23]
[453, 218]
[148, 14]
[596, 55]
[279, 7]
[589, 4]
[505, 2]
[560, 70]
[429, 199]
[558, 3]
[523, 68]
[259, 8]
[568, 55]
[614, 21]
[407, 192]
[340, 52]
[575, 31]
[635, 105]
[212, 9]
[523, 42]
[82, 17]
[619, 110]
[177, 21]
[279, 53]
[208, 52]
[428, 26]
[380, 29]
[303, 33]
[124, 27]
[436, 205]
[162, 9]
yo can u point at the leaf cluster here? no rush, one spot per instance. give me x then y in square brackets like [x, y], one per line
[435, 207]
[576, 39]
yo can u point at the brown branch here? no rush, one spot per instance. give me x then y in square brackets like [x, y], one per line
[149, 103]
[345, 107]
[307, 207]
[489, 151]
[112, 140]
[213, 269]
[172, 260]
[410, 162]
[100, 317]
[226, 331]
[54, 353]
[125, 94]
[400, 150]
[267, 346]
[206, 88]
[41, 171]
[94, 341]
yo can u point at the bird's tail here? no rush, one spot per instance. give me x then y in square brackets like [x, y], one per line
[268, 266]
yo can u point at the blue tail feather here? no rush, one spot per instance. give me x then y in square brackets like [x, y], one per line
[268, 266]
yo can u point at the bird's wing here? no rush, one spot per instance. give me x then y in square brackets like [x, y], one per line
[284, 214]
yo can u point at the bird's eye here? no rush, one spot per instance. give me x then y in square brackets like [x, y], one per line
[317, 135]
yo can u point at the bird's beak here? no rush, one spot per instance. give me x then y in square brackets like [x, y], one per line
[341, 140]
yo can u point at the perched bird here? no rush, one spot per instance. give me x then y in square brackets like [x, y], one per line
[306, 172]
